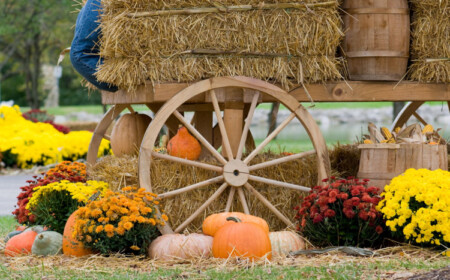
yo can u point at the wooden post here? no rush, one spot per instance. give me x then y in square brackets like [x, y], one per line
[204, 124]
[233, 117]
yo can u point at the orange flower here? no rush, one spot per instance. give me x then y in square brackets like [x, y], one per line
[109, 228]
[88, 238]
[164, 217]
[96, 213]
[134, 247]
[110, 234]
[99, 229]
[120, 230]
[128, 225]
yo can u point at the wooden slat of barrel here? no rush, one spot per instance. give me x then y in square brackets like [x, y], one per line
[377, 39]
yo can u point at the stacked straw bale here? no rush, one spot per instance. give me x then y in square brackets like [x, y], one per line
[430, 48]
[162, 41]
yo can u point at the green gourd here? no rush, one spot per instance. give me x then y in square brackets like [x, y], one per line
[11, 234]
[37, 229]
[47, 243]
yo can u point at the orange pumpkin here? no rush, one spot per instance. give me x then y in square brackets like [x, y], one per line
[20, 244]
[180, 246]
[241, 239]
[128, 132]
[71, 246]
[184, 145]
[214, 222]
[284, 242]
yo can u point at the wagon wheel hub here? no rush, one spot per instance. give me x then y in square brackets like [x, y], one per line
[236, 173]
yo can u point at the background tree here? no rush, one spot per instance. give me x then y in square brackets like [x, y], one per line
[33, 32]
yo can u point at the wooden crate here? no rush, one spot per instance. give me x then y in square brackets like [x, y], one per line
[382, 162]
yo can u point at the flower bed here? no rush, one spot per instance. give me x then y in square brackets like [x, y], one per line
[25, 143]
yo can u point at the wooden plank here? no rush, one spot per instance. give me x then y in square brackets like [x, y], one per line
[351, 91]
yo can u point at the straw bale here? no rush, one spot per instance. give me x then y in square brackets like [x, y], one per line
[430, 48]
[285, 46]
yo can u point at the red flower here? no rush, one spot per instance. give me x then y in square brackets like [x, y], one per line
[355, 201]
[379, 229]
[329, 213]
[363, 215]
[343, 196]
[333, 193]
[349, 213]
[318, 218]
[366, 198]
[331, 199]
[348, 203]
[355, 192]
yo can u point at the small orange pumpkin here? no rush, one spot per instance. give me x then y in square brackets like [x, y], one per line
[20, 244]
[214, 222]
[128, 132]
[241, 239]
[70, 245]
[184, 145]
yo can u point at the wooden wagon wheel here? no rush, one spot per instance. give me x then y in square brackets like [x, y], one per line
[232, 170]
[408, 111]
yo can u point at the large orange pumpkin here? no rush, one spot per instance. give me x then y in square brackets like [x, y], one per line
[180, 246]
[184, 145]
[214, 222]
[284, 242]
[20, 244]
[71, 246]
[241, 239]
[128, 132]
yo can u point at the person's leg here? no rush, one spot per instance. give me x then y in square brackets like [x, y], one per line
[84, 50]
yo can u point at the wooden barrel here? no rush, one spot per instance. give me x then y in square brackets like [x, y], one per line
[376, 42]
[382, 162]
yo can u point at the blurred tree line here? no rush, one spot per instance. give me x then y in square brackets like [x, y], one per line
[33, 33]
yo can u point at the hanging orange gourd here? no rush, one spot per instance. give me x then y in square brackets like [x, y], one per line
[128, 132]
[241, 239]
[214, 222]
[184, 145]
[70, 245]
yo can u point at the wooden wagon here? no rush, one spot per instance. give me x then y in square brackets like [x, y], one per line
[237, 98]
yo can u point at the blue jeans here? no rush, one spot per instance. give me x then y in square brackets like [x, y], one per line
[84, 52]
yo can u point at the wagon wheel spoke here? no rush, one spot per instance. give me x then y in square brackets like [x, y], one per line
[278, 183]
[243, 201]
[230, 199]
[248, 121]
[188, 162]
[130, 109]
[419, 118]
[202, 207]
[191, 187]
[200, 137]
[269, 138]
[107, 137]
[269, 205]
[223, 131]
[280, 160]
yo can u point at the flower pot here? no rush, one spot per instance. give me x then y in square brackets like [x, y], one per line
[382, 162]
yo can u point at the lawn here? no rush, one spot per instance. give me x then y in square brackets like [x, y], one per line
[390, 263]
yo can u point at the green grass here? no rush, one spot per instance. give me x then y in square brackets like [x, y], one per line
[7, 224]
[98, 109]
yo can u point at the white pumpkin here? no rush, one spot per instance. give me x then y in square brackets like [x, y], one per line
[284, 242]
[180, 246]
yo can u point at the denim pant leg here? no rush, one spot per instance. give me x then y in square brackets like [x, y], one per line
[84, 49]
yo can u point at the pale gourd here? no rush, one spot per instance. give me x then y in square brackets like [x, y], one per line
[284, 242]
[180, 246]
[47, 243]
[128, 132]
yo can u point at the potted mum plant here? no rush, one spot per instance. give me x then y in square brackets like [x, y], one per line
[341, 213]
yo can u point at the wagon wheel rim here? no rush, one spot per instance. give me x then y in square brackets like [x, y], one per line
[409, 110]
[233, 172]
